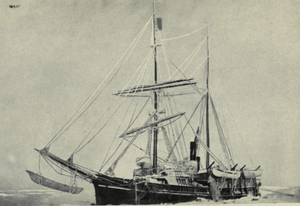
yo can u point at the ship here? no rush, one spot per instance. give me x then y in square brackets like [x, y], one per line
[179, 163]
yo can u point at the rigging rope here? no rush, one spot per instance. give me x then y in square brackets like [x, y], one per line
[124, 138]
[63, 129]
[180, 140]
[238, 131]
[199, 130]
[163, 48]
[130, 122]
[169, 107]
[223, 142]
[77, 149]
[226, 130]
[189, 58]
[203, 106]
[180, 145]
[140, 93]
[145, 150]
[101, 128]
[178, 37]
[210, 152]
[110, 170]
[180, 126]
[142, 88]
[185, 126]
[51, 162]
[193, 56]
[117, 132]
[168, 145]
[193, 86]
[199, 66]
[54, 163]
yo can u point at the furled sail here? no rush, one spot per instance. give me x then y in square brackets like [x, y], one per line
[164, 85]
[164, 94]
[151, 124]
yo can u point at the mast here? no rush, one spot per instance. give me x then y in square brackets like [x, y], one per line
[207, 103]
[155, 130]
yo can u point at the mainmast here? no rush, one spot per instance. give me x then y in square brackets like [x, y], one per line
[207, 103]
[155, 129]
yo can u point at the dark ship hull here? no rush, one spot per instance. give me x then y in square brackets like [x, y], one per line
[111, 190]
[131, 192]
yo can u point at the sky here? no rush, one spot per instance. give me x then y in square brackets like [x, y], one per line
[54, 54]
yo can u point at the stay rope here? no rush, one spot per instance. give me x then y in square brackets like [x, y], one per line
[223, 141]
[101, 127]
[203, 106]
[123, 139]
[112, 167]
[199, 66]
[184, 128]
[170, 110]
[238, 131]
[65, 127]
[131, 121]
[192, 56]
[163, 48]
[180, 140]
[189, 58]
[184, 35]
[193, 86]
[225, 128]
[171, 129]
[180, 126]
[78, 148]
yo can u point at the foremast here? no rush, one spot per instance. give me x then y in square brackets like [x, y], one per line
[155, 96]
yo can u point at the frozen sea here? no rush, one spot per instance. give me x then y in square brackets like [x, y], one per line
[269, 195]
